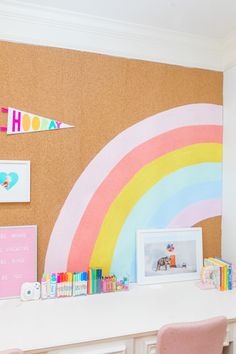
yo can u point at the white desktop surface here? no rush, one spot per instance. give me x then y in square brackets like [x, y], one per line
[44, 324]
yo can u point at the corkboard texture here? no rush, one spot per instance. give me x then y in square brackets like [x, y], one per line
[101, 96]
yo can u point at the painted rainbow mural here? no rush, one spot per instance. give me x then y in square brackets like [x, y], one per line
[165, 171]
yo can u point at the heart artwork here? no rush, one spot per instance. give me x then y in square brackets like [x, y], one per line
[8, 180]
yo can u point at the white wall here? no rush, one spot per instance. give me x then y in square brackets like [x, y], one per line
[229, 167]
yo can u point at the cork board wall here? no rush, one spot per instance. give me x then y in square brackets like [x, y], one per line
[101, 96]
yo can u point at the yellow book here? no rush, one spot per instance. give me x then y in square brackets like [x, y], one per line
[224, 276]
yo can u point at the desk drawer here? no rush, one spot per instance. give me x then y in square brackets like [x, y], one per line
[104, 347]
[146, 345]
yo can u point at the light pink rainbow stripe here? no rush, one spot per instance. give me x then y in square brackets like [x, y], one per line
[88, 229]
[87, 184]
[195, 213]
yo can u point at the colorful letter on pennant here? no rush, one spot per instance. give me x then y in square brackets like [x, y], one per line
[23, 122]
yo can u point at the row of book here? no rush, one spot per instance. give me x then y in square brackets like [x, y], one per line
[221, 274]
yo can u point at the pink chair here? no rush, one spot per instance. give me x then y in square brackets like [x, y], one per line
[202, 337]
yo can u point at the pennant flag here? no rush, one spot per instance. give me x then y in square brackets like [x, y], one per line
[23, 122]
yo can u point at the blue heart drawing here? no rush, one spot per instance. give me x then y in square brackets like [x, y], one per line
[8, 180]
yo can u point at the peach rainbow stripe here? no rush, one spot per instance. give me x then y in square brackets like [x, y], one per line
[103, 163]
[135, 189]
[89, 226]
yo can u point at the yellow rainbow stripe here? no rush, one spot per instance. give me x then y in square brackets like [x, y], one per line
[145, 179]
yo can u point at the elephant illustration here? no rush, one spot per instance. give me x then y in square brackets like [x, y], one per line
[162, 262]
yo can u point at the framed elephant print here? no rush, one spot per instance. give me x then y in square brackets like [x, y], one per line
[165, 255]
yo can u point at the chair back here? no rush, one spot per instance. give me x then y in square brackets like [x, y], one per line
[202, 337]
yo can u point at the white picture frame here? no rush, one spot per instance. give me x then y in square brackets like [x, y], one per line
[14, 181]
[182, 247]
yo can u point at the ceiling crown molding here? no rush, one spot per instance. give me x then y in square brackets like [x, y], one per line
[39, 25]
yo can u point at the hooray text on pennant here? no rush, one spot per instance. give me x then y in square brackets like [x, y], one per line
[25, 122]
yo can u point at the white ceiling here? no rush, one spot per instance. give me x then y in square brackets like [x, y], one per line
[194, 33]
[211, 18]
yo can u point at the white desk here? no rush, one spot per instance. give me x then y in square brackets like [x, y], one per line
[125, 322]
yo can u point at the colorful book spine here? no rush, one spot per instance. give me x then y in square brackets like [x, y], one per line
[94, 281]
[99, 280]
[229, 273]
[217, 271]
[90, 281]
[223, 273]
